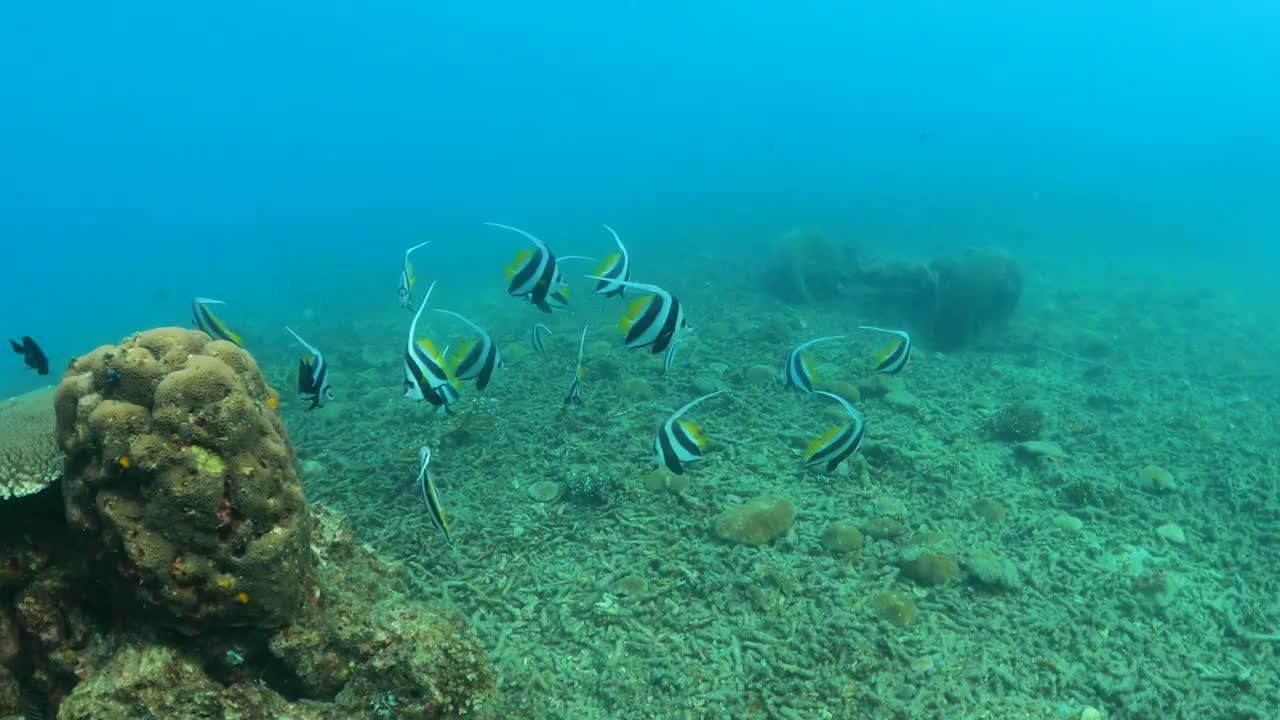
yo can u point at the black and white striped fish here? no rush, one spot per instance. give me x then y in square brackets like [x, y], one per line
[537, 339]
[839, 442]
[655, 321]
[575, 387]
[896, 355]
[615, 268]
[797, 371]
[408, 278]
[431, 496]
[425, 375]
[313, 374]
[202, 318]
[680, 441]
[535, 274]
[475, 359]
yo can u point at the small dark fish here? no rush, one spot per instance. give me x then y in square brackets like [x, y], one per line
[31, 354]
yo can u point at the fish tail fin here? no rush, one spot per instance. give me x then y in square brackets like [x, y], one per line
[16, 347]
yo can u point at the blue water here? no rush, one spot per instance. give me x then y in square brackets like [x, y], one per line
[280, 155]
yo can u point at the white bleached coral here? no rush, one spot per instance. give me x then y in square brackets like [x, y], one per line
[29, 455]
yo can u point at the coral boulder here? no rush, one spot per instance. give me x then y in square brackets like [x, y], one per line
[180, 479]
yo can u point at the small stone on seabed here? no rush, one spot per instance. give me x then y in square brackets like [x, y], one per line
[1154, 478]
[758, 521]
[1039, 449]
[545, 491]
[1068, 523]
[1172, 532]
[902, 399]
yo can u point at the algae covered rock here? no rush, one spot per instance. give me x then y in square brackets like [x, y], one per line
[180, 478]
[365, 639]
[758, 521]
[895, 607]
[152, 681]
[842, 537]
[1155, 479]
[927, 567]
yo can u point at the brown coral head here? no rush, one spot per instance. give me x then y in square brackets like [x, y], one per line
[205, 523]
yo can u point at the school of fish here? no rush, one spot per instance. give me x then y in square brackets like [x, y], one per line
[654, 319]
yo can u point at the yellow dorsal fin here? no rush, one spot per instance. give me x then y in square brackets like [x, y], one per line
[634, 311]
[458, 355]
[430, 347]
[806, 361]
[408, 271]
[582, 372]
[308, 359]
[821, 442]
[608, 263]
[521, 257]
[887, 351]
[694, 432]
[564, 292]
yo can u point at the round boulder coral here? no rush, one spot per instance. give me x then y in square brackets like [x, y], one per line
[180, 479]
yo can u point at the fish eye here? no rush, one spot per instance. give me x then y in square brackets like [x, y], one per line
[328, 393]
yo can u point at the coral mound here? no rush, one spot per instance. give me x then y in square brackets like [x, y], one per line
[179, 476]
[758, 521]
[29, 457]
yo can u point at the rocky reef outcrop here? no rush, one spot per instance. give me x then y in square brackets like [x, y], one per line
[180, 574]
[180, 477]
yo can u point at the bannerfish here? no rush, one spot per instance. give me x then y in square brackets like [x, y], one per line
[537, 339]
[655, 321]
[204, 319]
[797, 371]
[408, 278]
[313, 374]
[431, 496]
[895, 357]
[575, 387]
[679, 441]
[839, 442]
[534, 274]
[475, 359]
[426, 376]
[559, 299]
[31, 354]
[615, 268]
